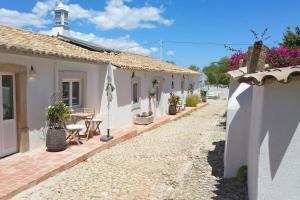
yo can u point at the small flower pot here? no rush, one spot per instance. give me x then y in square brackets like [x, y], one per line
[56, 140]
[172, 110]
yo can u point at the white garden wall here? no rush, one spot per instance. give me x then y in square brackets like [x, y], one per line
[274, 143]
[237, 127]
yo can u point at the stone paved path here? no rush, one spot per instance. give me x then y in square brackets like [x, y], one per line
[180, 160]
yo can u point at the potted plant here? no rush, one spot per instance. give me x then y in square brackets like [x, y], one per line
[143, 119]
[203, 95]
[173, 101]
[56, 135]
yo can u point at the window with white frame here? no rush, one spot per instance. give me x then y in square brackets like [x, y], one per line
[71, 90]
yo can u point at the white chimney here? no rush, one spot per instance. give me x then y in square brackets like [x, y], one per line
[61, 22]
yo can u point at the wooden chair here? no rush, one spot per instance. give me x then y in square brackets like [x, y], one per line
[181, 105]
[73, 131]
[97, 121]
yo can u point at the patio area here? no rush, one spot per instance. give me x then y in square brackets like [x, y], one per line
[24, 170]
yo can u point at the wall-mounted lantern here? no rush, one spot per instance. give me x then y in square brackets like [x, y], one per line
[132, 75]
[32, 73]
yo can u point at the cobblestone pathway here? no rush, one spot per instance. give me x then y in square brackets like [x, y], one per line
[180, 160]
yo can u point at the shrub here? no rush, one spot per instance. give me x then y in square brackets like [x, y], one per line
[192, 100]
[241, 177]
[57, 114]
[276, 57]
[174, 99]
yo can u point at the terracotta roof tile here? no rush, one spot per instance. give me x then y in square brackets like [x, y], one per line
[27, 42]
[235, 74]
[283, 75]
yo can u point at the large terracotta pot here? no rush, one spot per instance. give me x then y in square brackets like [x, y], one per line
[172, 109]
[56, 140]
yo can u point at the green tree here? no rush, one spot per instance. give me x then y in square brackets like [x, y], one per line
[290, 38]
[194, 68]
[216, 72]
[170, 61]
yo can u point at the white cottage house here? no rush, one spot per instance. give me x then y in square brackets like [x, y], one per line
[263, 131]
[34, 66]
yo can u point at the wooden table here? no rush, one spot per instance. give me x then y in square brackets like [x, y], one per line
[87, 117]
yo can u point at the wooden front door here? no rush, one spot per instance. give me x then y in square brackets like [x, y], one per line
[8, 130]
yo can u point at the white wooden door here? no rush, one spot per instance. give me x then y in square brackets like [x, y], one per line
[8, 130]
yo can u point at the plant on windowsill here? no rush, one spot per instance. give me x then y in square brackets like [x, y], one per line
[173, 102]
[56, 115]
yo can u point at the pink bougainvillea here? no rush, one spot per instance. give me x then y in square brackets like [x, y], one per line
[235, 60]
[276, 57]
[283, 57]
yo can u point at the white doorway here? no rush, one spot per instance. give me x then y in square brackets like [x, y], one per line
[8, 130]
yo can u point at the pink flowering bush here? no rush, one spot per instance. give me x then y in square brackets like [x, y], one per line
[283, 57]
[276, 57]
[235, 60]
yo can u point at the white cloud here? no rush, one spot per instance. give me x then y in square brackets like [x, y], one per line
[170, 53]
[115, 15]
[19, 19]
[154, 49]
[124, 43]
[42, 8]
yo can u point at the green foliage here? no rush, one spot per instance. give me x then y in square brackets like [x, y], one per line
[290, 38]
[194, 68]
[57, 114]
[174, 99]
[241, 177]
[192, 100]
[216, 72]
[170, 61]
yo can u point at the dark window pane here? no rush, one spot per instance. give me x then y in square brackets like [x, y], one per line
[135, 93]
[157, 93]
[66, 93]
[8, 97]
[76, 93]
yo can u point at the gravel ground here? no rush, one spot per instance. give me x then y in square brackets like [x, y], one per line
[180, 160]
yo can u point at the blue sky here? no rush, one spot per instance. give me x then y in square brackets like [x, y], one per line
[141, 24]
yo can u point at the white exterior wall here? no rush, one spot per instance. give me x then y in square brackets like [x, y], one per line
[46, 83]
[237, 127]
[122, 108]
[274, 143]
